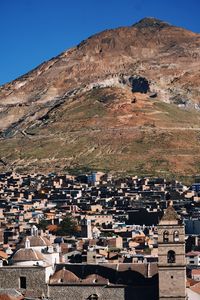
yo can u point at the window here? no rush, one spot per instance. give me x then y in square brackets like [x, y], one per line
[171, 257]
[176, 236]
[22, 282]
[165, 236]
[93, 297]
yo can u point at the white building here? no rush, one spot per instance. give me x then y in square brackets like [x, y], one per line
[37, 246]
[193, 258]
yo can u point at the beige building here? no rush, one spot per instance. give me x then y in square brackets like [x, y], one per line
[100, 219]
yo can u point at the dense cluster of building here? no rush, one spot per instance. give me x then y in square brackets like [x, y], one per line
[98, 237]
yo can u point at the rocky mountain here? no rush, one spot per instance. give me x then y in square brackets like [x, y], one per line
[125, 100]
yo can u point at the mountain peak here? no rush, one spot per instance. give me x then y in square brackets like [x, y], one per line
[151, 22]
[106, 103]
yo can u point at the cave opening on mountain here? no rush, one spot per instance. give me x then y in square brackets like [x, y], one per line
[139, 84]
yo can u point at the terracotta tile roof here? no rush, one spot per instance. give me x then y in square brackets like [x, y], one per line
[27, 254]
[196, 272]
[64, 276]
[36, 241]
[193, 253]
[3, 255]
[190, 282]
[95, 278]
[108, 271]
[144, 269]
[52, 227]
[8, 297]
[196, 288]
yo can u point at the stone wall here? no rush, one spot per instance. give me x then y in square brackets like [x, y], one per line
[81, 292]
[172, 282]
[36, 286]
[35, 279]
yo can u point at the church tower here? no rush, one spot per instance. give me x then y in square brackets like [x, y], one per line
[171, 256]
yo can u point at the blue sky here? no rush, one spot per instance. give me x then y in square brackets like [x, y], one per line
[33, 31]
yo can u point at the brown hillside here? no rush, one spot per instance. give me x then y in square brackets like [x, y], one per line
[123, 100]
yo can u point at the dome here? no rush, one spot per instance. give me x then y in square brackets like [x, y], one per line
[64, 276]
[36, 241]
[27, 254]
[95, 278]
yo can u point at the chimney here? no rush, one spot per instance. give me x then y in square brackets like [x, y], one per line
[27, 243]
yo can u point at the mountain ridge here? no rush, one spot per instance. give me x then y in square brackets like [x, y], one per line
[150, 62]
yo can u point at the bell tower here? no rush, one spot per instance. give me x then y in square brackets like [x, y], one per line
[171, 256]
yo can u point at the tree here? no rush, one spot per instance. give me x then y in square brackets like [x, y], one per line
[43, 224]
[68, 226]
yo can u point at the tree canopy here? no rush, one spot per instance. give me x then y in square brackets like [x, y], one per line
[68, 226]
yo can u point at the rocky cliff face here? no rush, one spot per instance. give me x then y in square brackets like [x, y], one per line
[121, 79]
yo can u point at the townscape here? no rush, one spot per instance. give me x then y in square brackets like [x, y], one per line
[94, 234]
[100, 150]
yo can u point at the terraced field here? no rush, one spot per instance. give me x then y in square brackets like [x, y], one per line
[106, 130]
